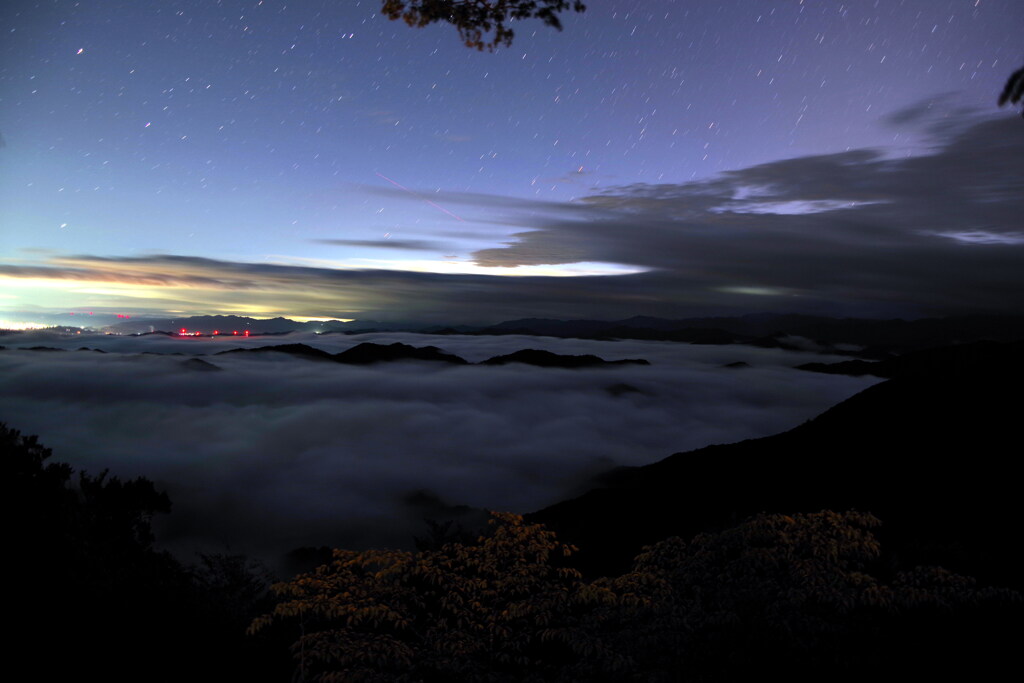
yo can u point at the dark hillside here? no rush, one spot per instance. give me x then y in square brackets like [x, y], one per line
[932, 456]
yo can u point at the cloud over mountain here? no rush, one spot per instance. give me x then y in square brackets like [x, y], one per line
[275, 451]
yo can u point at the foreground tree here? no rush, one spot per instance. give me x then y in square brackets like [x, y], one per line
[93, 597]
[805, 595]
[799, 594]
[1013, 91]
[476, 19]
[462, 613]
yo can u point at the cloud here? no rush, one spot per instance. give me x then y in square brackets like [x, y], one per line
[208, 285]
[276, 452]
[405, 245]
[873, 233]
[924, 112]
[852, 233]
[516, 206]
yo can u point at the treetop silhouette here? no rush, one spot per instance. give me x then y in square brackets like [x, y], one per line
[476, 19]
[1013, 92]
[804, 593]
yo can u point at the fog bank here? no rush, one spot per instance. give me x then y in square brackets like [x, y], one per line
[274, 452]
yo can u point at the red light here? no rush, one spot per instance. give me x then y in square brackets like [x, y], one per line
[247, 333]
[216, 332]
[183, 330]
[235, 332]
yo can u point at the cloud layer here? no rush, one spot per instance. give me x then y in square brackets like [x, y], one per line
[925, 235]
[854, 233]
[276, 452]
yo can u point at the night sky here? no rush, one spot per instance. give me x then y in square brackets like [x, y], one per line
[315, 160]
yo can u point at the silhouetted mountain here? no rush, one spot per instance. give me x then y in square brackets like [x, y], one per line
[378, 353]
[621, 388]
[696, 335]
[853, 368]
[360, 354]
[547, 359]
[368, 352]
[551, 328]
[450, 329]
[200, 365]
[301, 350]
[932, 456]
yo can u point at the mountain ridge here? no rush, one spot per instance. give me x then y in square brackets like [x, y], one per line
[927, 453]
[873, 339]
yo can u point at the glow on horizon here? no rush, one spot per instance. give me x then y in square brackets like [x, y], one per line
[307, 319]
[14, 325]
[457, 267]
[26, 325]
[983, 237]
[753, 290]
[792, 208]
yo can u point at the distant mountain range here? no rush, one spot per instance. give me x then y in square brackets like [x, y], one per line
[864, 338]
[367, 353]
[361, 354]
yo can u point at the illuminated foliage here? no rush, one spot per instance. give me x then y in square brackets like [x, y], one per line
[476, 19]
[799, 593]
[792, 592]
[770, 588]
[486, 611]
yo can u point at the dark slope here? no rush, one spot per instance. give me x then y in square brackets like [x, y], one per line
[932, 456]
[547, 359]
[361, 354]
[366, 353]
[200, 365]
[300, 350]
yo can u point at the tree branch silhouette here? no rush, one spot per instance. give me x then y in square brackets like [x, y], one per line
[1013, 92]
[482, 24]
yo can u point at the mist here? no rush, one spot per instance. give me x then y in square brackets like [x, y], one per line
[274, 452]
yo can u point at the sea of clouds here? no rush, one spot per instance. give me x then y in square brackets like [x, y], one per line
[275, 452]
